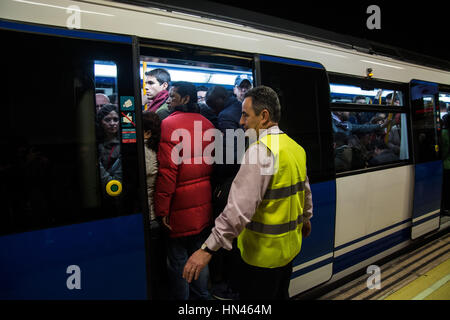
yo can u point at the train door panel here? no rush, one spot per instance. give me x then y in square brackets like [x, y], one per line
[428, 163]
[71, 223]
[444, 106]
[303, 90]
[203, 67]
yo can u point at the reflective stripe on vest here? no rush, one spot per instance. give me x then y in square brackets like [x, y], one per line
[285, 191]
[273, 236]
[274, 228]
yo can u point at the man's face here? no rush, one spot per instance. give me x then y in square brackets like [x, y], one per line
[175, 99]
[241, 90]
[389, 102]
[100, 100]
[201, 95]
[249, 120]
[152, 87]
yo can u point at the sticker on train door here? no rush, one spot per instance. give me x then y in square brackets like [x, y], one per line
[128, 120]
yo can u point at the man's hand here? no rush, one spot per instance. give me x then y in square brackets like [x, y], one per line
[195, 264]
[306, 230]
[165, 221]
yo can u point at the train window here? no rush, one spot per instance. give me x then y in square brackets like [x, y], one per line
[444, 103]
[426, 122]
[304, 99]
[202, 74]
[369, 121]
[341, 93]
[367, 139]
[51, 170]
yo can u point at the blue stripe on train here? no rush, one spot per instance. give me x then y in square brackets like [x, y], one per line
[64, 32]
[110, 254]
[369, 250]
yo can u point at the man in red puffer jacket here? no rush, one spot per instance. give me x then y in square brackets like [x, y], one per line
[183, 188]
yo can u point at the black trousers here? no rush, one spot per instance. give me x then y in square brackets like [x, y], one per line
[264, 283]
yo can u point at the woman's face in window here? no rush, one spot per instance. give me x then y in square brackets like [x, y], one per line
[110, 123]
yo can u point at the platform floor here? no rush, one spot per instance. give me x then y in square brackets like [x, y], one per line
[423, 274]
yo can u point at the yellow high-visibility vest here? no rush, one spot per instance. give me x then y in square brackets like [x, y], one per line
[274, 236]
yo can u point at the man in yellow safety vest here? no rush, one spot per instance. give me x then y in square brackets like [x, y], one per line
[269, 205]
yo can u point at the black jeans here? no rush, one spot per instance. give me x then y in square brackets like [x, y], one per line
[264, 283]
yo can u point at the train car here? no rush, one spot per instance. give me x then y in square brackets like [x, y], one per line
[370, 125]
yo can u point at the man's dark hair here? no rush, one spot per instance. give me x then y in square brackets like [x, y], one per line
[151, 122]
[389, 97]
[214, 96]
[202, 88]
[162, 75]
[340, 139]
[187, 89]
[265, 98]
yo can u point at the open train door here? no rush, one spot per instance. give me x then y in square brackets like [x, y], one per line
[303, 90]
[428, 163]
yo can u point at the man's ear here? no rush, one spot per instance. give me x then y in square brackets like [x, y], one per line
[265, 116]
[165, 85]
[185, 99]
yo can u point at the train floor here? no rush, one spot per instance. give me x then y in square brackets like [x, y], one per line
[422, 274]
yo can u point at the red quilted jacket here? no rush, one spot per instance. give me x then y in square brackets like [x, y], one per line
[183, 191]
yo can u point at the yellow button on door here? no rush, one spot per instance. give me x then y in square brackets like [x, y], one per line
[114, 188]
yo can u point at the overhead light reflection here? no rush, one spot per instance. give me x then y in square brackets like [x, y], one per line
[381, 64]
[319, 51]
[63, 8]
[207, 31]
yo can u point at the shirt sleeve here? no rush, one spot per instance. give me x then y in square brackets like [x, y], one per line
[308, 209]
[246, 193]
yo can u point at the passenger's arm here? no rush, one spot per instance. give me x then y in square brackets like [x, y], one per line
[167, 177]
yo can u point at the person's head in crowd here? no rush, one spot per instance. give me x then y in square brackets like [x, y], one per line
[389, 100]
[201, 94]
[379, 118]
[340, 139]
[241, 85]
[343, 115]
[359, 100]
[445, 121]
[261, 109]
[151, 124]
[379, 146]
[216, 97]
[113, 98]
[108, 121]
[156, 81]
[182, 93]
[100, 100]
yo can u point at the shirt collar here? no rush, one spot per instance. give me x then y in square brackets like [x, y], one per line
[272, 130]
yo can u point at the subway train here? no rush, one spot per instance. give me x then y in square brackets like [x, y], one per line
[370, 125]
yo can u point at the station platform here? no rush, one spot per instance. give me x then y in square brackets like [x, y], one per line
[421, 274]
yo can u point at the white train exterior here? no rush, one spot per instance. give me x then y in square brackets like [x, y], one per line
[372, 215]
